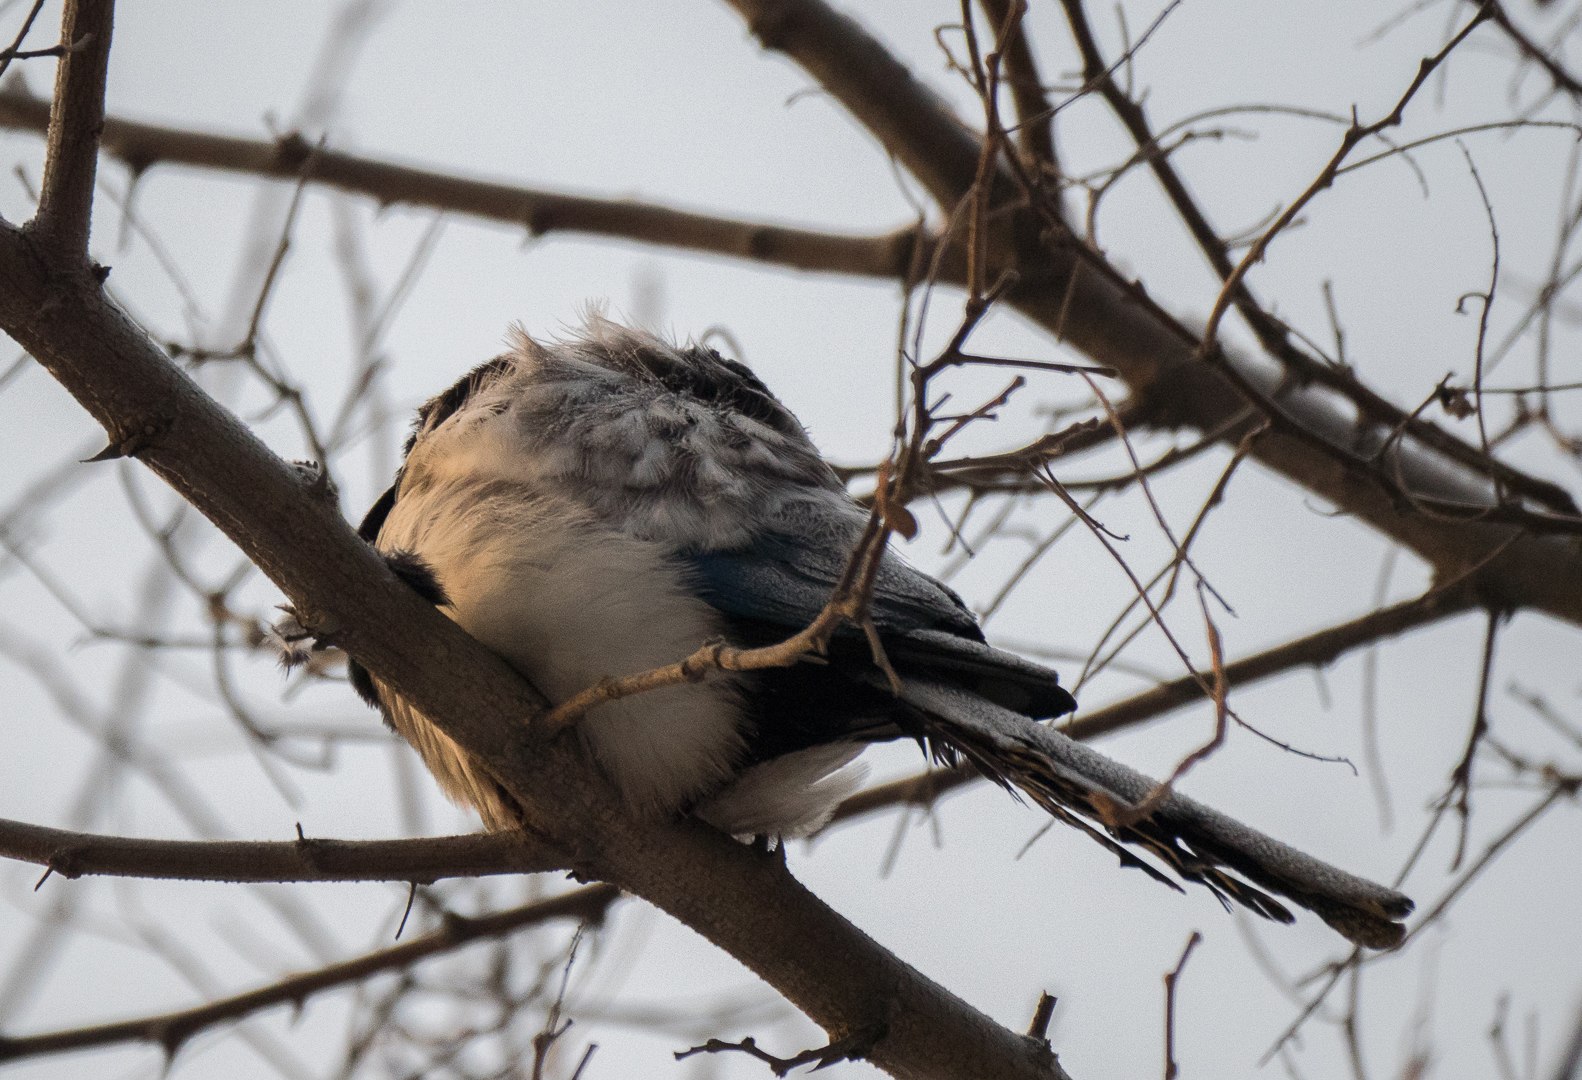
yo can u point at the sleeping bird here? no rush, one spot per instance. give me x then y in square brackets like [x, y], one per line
[605, 504]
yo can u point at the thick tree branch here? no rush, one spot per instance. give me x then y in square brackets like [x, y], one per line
[423, 860]
[909, 119]
[1440, 507]
[170, 1030]
[825, 966]
[142, 146]
[429, 859]
[1272, 334]
[66, 197]
[1069, 291]
[841, 979]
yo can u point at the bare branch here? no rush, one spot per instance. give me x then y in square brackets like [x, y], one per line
[66, 197]
[1355, 134]
[171, 1030]
[423, 860]
[1562, 79]
[1033, 129]
[1272, 334]
[143, 146]
[15, 51]
[1173, 977]
[1435, 501]
[838, 976]
[908, 118]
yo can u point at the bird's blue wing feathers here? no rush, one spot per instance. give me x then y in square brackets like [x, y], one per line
[781, 582]
[784, 580]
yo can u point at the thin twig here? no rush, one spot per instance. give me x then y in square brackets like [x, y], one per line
[1172, 978]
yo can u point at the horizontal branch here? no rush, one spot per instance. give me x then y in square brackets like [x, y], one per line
[422, 860]
[142, 146]
[170, 1030]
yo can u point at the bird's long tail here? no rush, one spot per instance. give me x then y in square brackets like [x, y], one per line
[1083, 788]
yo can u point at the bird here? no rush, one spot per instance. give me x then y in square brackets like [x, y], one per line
[603, 503]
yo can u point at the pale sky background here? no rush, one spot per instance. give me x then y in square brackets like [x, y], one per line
[674, 103]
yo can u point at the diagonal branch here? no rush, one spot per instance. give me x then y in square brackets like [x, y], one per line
[1531, 50]
[171, 1030]
[909, 119]
[431, 858]
[1438, 505]
[750, 906]
[1272, 334]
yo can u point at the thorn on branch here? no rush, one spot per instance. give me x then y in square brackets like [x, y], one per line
[129, 445]
[309, 849]
[406, 913]
[171, 1037]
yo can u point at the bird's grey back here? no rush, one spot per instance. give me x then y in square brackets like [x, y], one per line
[673, 444]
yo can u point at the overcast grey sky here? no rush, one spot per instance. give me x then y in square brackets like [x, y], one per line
[675, 103]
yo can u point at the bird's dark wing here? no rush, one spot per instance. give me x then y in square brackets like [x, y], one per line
[780, 584]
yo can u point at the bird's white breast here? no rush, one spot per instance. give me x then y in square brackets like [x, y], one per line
[569, 602]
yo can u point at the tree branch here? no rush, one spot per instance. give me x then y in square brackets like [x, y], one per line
[1272, 334]
[1562, 79]
[829, 969]
[66, 199]
[171, 1030]
[1035, 120]
[1070, 292]
[142, 146]
[423, 860]
[428, 859]
[907, 117]
[1435, 504]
